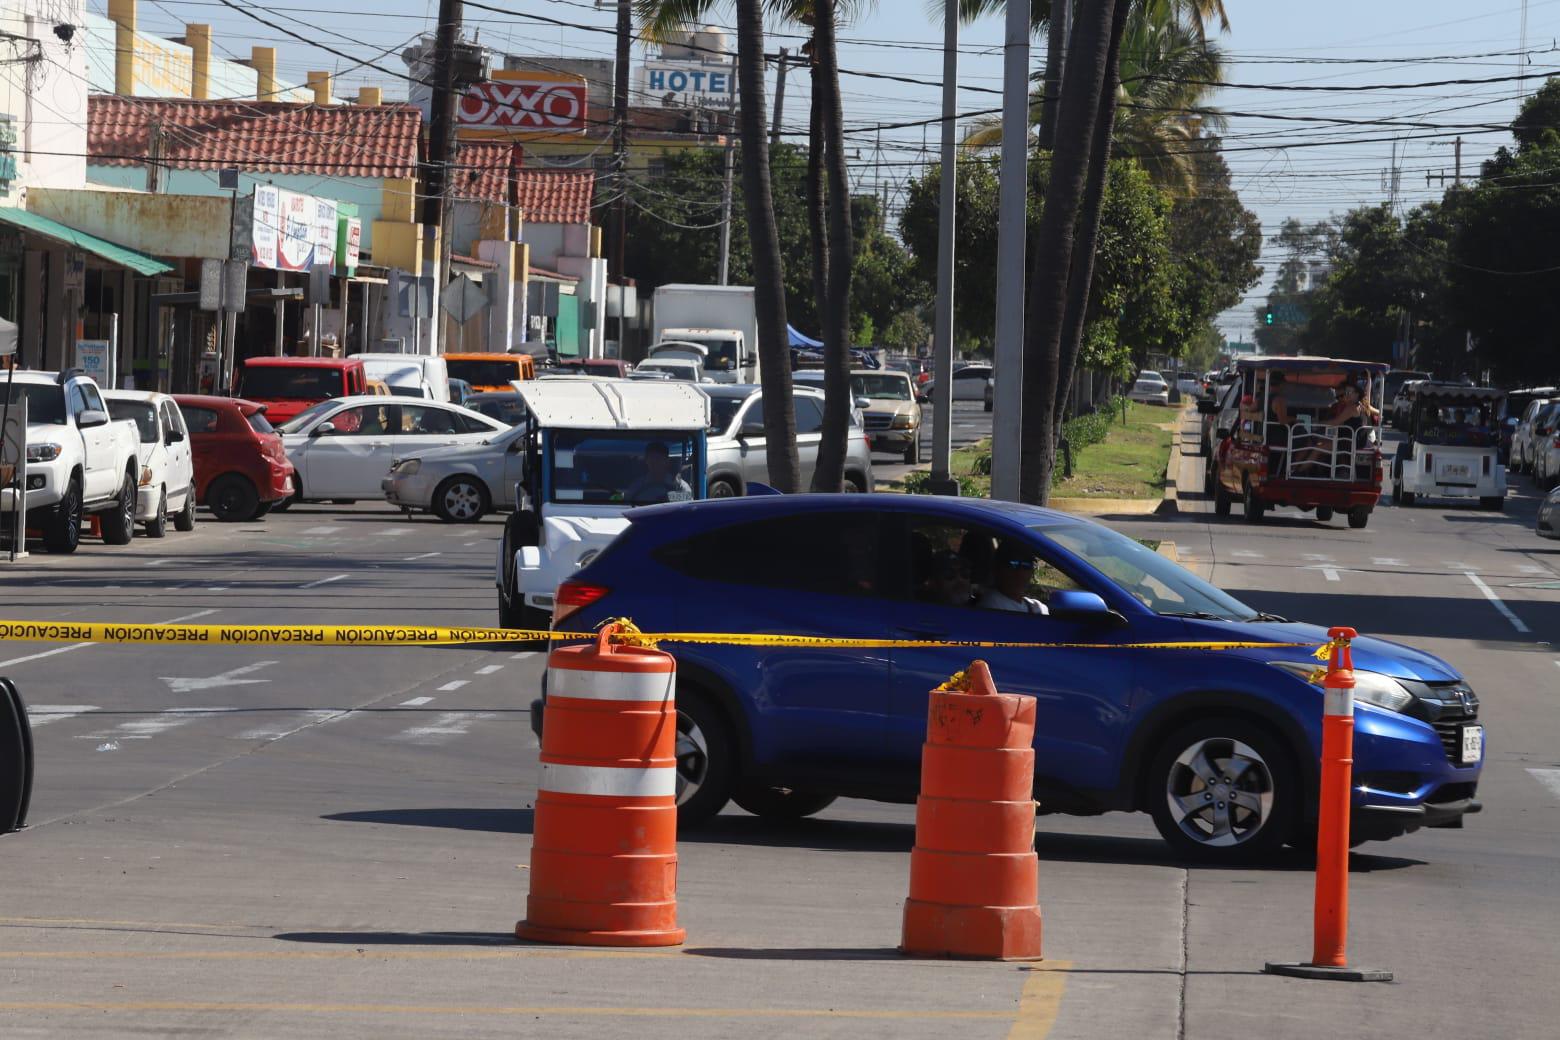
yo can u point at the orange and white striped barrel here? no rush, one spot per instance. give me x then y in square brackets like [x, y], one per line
[604, 846]
[974, 878]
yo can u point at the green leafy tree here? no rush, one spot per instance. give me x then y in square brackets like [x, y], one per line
[907, 333]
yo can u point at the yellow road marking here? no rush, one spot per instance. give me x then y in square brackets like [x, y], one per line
[1040, 1000]
[461, 1009]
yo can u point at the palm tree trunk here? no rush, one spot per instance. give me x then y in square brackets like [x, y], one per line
[774, 348]
[1085, 245]
[1045, 133]
[838, 400]
[1088, 53]
[817, 197]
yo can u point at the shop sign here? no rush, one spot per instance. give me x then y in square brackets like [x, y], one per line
[349, 244]
[7, 156]
[290, 231]
[93, 358]
[524, 102]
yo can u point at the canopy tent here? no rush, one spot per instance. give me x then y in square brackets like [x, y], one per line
[800, 340]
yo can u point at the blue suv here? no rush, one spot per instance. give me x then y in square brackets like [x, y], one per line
[1220, 747]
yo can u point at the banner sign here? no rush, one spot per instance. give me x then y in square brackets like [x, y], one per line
[688, 84]
[290, 231]
[523, 102]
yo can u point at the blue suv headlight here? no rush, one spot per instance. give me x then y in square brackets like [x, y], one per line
[1373, 688]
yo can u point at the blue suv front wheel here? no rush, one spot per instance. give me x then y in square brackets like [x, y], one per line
[1223, 789]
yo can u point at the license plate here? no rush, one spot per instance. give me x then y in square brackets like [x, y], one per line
[1455, 471]
[1472, 745]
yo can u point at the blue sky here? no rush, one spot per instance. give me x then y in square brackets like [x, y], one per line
[1358, 44]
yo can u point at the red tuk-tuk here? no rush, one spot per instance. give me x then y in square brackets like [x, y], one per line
[1302, 432]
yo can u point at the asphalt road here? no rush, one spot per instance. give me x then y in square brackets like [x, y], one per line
[273, 842]
[971, 422]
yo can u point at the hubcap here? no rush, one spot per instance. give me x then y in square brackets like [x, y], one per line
[462, 501]
[73, 515]
[127, 504]
[693, 758]
[1220, 792]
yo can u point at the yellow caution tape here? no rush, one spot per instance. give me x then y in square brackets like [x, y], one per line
[432, 635]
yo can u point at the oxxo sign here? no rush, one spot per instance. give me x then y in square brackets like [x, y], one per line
[513, 102]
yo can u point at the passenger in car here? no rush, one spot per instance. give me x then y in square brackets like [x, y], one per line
[947, 581]
[1011, 578]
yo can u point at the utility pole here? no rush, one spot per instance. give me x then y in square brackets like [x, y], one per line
[725, 195]
[441, 133]
[625, 39]
[942, 482]
[1456, 177]
[1008, 357]
[774, 128]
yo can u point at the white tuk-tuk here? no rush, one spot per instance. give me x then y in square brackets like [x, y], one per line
[1453, 448]
[594, 450]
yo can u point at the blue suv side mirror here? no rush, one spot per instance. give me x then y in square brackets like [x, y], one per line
[1085, 607]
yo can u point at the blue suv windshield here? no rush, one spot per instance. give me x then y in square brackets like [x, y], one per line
[1151, 579]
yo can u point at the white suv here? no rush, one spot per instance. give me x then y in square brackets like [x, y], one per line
[167, 480]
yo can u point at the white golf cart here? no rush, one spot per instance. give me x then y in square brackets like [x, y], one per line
[594, 449]
[1453, 448]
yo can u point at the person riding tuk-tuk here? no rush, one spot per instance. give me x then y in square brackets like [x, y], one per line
[1304, 432]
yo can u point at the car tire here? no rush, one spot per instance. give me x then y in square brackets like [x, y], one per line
[854, 484]
[262, 509]
[1222, 502]
[1187, 809]
[706, 758]
[1495, 503]
[1251, 506]
[987, 406]
[913, 451]
[722, 488]
[1359, 516]
[232, 499]
[461, 500]
[1324, 514]
[157, 526]
[184, 519]
[118, 524]
[62, 533]
[284, 504]
[1401, 497]
[780, 803]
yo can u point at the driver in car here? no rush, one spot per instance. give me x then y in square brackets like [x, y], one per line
[660, 482]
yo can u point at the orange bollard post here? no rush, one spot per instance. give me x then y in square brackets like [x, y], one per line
[974, 878]
[1329, 959]
[604, 846]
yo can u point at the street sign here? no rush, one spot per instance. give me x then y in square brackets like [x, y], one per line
[413, 295]
[223, 285]
[463, 299]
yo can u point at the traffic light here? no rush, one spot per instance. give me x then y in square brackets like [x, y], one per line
[1267, 318]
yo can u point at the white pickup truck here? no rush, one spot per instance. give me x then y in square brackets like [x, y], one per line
[79, 460]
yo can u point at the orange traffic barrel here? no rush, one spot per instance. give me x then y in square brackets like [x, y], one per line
[974, 877]
[604, 846]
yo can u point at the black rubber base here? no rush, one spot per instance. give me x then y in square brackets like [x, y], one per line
[1317, 971]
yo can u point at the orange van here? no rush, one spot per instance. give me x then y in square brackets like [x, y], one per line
[490, 371]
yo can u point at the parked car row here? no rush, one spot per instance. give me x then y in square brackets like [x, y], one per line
[117, 459]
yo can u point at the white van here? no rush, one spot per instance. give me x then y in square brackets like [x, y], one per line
[409, 375]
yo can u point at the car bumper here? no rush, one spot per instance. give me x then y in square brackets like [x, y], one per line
[414, 492]
[1548, 524]
[1406, 778]
[1307, 494]
[282, 484]
[44, 482]
[146, 499]
[885, 440]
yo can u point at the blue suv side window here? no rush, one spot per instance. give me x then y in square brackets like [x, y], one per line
[819, 553]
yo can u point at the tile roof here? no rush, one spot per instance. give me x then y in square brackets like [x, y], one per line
[545, 196]
[256, 136]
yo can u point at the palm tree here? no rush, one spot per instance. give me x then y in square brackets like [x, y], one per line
[828, 195]
[774, 343]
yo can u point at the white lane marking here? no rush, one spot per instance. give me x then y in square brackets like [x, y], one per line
[212, 682]
[78, 646]
[468, 545]
[43, 714]
[291, 724]
[1248, 554]
[447, 726]
[416, 702]
[147, 728]
[524, 655]
[490, 669]
[1530, 569]
[1328, 572]
[449, 686]
[323, 581]
[157, 563]
[1318, 557]
[1550, 778]
[1495, 600]
[1455, 565]
[1387, 561]
[323, 530]
[218, 588]
[395, 532]
[423, 556]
